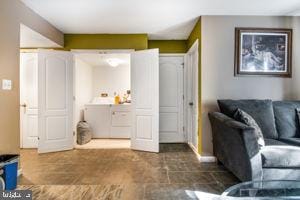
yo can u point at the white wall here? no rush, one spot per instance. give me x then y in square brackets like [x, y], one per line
[218, 81]
[91, 81]
[111, 79]
[83, 87]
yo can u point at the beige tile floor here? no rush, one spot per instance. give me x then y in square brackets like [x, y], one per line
[175, 173]
[106, 144]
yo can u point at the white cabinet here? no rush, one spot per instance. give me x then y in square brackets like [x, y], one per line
[109, 121]
[121, 116]
[98, 117]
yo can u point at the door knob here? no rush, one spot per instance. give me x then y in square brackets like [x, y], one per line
[191, 103]
[24, 106]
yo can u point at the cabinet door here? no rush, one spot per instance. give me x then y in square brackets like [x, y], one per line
[98, 116]
[122, 119]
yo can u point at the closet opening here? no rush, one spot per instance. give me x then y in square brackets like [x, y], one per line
[102, 100]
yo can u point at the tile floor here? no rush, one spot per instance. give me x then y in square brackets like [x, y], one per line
[175, 173]
[106, 144]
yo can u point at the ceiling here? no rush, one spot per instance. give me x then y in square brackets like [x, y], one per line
[96, 59]
[161, 19]
[32, 39]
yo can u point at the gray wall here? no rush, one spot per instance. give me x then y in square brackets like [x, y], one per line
[218, 81]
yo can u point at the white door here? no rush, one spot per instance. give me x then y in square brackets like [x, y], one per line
[55, 92]
[145, 100]
[192, 95]
[171, 99]
[29, 100]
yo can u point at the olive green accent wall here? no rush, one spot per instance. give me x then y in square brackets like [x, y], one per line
[106, 41]
[196, 35]
[168, 46]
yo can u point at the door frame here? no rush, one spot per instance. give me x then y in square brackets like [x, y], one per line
[183, 55]
[194, 50]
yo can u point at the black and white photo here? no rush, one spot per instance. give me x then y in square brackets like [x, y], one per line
[263, 52]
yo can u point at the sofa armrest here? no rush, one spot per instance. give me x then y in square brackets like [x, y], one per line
[235, 145]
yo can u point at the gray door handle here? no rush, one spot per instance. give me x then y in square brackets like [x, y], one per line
[191, 103]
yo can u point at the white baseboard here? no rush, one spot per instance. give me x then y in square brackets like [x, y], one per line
[207, 159]
[19, 172]
[204, 159]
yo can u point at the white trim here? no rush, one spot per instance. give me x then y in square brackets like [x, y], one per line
[203, 159]
[20, 172]
[207, 159]
[194, 47]
[185, 102]
[191, 51]
[193, 148]
[104, 51]
[172, 54]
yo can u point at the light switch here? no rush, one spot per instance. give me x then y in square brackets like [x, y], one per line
[6, 84]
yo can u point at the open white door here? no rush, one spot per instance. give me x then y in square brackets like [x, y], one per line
[55, 100]
[145, 100]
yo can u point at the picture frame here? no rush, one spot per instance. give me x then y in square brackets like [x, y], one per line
[263, 52]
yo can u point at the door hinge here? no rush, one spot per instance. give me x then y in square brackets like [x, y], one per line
[73, 133]
[183, 128]
[183, 97]
[182, 65]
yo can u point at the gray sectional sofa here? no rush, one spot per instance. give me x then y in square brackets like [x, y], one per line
[236, 147]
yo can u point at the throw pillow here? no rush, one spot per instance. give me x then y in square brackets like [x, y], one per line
[245, 118]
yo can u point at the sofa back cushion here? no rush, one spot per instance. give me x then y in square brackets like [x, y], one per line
[286, 119]
[260, 110]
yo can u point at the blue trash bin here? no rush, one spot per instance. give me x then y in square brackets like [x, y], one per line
[9, 164]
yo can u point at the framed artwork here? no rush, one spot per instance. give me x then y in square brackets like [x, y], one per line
[263, 52]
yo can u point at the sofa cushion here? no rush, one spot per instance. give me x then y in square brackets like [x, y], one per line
[272, 142]
[286, 118]
[291, 141]
[245, 118]
[260, 110]
[280, 157]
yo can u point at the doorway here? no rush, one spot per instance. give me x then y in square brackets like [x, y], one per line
[171, 98]
[29, 84]
[103, 98]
